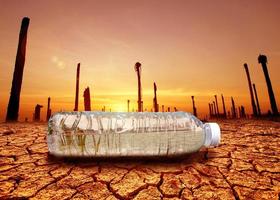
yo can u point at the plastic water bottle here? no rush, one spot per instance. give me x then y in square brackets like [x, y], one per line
[114, 134]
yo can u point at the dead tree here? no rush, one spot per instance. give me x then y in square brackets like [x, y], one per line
[243, 114]
[233, 110]
[13, 106]
[239, 112]
[210, 110]
[87, 103]
[217, 107]
[263, 60]
[49, 111]
[77, 88]
[224, 107]
[137, 68]
[37, 112]
[194, 108]
[155, 98]
[254, 108]
[257, 100]
[215, 111]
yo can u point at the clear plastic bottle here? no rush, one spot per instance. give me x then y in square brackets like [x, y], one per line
[113, 134]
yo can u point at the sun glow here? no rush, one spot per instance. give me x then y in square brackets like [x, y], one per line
[119, 108]
[169, 40]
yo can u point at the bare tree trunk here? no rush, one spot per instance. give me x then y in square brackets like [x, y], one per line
[13, 106]
[87, 99]
[194, 108]
[263, 60]
[49, 111]
[155, 98]
[257, 100]
[224, 107]
[254, 108]
[77, 88]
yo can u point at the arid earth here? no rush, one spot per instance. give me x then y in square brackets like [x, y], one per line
[245, 166]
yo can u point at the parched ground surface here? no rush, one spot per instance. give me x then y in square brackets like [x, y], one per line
[245, 166]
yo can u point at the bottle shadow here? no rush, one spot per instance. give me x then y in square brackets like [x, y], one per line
[190, 158]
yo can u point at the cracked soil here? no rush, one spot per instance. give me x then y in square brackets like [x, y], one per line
[246, 165]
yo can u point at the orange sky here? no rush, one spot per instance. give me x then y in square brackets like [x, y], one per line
[187, 47]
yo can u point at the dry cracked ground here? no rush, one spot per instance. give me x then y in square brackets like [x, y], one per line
[245, 166]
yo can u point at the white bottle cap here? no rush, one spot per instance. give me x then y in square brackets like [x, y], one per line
[212, 134]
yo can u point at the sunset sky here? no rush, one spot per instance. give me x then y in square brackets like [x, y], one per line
[187, 47]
